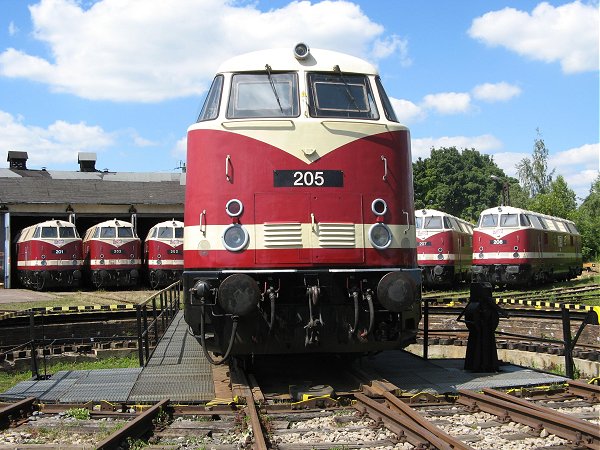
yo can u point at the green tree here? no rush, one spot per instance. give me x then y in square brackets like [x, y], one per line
[458, 182]
[558, 200]
[587, 220]
[533, 173]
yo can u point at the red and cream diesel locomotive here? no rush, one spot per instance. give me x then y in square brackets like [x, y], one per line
[163, 252]
[112, 253]
[513, 246]
[444, 247]
[49, 254]
[299, 216]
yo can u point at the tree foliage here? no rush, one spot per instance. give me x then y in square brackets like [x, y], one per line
[456, 182]
[533, 173]
[587, 220]
[558, 200]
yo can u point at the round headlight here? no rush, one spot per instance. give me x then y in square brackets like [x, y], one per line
[301, 50]
[380, 236]
[379, 207]
[234, 207]
[235, 237]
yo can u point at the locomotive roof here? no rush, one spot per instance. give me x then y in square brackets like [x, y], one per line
[514, 210]
[113, 223]
[434, 212]
[52, 223]
[284, 59]
[169, 223]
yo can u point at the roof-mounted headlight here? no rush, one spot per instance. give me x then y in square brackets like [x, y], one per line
[301, 51]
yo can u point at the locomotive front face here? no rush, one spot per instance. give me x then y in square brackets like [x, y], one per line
[299, 214]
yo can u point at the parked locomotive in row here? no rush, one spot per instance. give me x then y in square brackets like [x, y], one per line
[299, 216]
[513, 246]
[49, 254]
[444, 247]
[163, 253]
[113, 254]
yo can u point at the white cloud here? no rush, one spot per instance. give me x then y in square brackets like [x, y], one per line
[12, 29]
[421, 148]
[406, 111]
[180, 150]
[566, 33]
[579, 166]
[493, 92]
[127, 50]
[58, 143]
[448, 102]
[383, 48]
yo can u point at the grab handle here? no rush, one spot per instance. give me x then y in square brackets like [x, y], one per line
[203, 221]
[227, 163]
[385, 170]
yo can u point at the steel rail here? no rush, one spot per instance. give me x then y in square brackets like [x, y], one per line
[15, 410]
[536, 417]
[134, 429]
[241, 385]
[414, 415]
[590, 392]
[403, 426]
[577, 423]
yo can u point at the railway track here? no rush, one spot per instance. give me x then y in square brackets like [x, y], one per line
[371, 416]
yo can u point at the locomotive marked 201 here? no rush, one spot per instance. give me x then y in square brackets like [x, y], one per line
[299, 217]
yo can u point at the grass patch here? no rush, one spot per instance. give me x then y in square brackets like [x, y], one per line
[8, 380]
[79, 298]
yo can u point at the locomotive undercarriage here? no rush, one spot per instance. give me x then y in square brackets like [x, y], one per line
[114, 278]
[520, 274]
[47, 279]
[163, 277]
[297, 313]
[442, 275]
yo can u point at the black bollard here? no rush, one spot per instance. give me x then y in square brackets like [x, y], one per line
[481, 317]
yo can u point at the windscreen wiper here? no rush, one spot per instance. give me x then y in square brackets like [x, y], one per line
[268, 68]
[337, 69]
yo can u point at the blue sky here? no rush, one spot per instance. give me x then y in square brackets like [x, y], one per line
[125, 78]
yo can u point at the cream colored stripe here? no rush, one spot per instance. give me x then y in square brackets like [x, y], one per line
[195, 239]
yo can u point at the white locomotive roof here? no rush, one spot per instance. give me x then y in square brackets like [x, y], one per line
[113, 223]
[284, 59]
[168, 223]
[434, 212]
[514, 210]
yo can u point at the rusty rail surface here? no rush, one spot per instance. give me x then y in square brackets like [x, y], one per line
[590, 392]
[537, 417]
[17, 410]
[134, 429]
[403, 426]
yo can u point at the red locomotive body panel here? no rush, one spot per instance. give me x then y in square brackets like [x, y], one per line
[253, 166]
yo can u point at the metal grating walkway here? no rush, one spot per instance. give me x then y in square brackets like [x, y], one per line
[177, 370]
